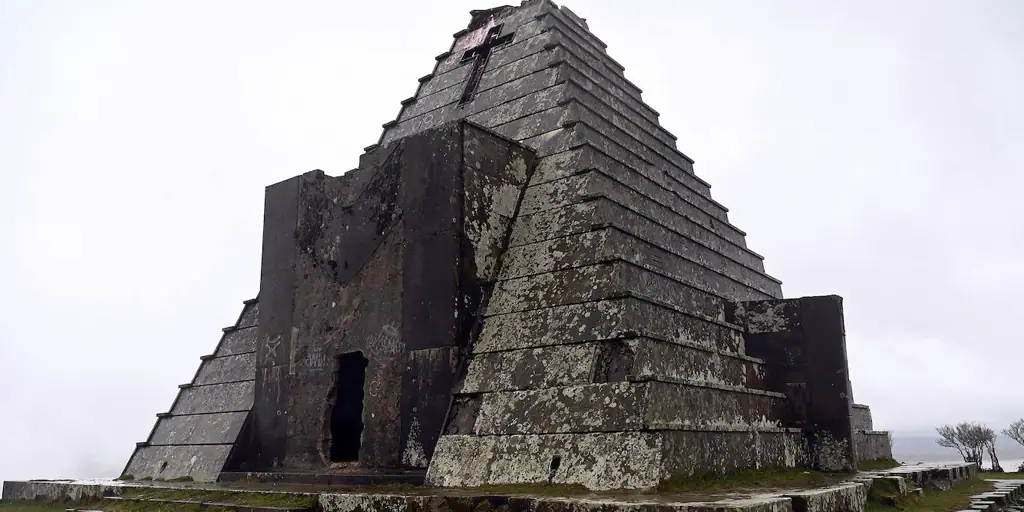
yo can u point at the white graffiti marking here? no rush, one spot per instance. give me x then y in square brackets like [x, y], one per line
[387, 342]
[315, 358]
[270, 347]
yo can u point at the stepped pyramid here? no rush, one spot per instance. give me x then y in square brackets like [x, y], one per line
[523, 282]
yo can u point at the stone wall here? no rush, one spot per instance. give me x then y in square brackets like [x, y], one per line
[872, 445]
[862, 417]
[390, 262]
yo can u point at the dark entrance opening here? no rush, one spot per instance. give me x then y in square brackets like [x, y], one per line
[347, 413]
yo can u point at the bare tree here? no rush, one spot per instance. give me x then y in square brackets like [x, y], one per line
[948, 438]
[989, 435]
[972, 440]
[1016, 431]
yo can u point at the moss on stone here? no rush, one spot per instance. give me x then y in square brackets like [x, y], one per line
[273, 499]
[765, 478]
[31, 506]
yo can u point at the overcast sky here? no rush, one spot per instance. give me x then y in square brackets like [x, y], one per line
[871, 149]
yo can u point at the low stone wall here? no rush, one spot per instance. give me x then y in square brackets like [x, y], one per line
[59, 490]
[873, 445]
[850, 496]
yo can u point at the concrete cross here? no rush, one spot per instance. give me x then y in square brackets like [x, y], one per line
[479, 56]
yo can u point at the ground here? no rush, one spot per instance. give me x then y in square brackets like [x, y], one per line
[957, 498]
[689, 489]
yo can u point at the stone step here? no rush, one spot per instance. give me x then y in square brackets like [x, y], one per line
[227, 368]
[605, 320]
[649, 181]
[627, 406]
[348, 477]
[598, 115]
[598, 282]
[643, 457]
[436, 109]
[844, 497]
[600, 66]
[250, 314]
[237, 341]
[581, 133]
[609, 244]
[637, 359]
[670, 210]
[170, 504]
[597, 210]
[595, 91]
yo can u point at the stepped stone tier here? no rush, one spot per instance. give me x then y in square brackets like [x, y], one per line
[523, 282]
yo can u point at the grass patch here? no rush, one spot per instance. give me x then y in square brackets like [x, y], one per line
[1000, 476]
[957, 498]
[754, 479]
[31, 506]
[877, 465]
[270, 499]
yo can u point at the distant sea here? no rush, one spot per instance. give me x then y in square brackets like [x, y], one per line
[914, 449]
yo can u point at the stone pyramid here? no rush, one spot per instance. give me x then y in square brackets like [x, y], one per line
[523, 282]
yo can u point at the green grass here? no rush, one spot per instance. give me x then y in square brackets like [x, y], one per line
[1001, 476]
[225, 497]
[31, 506]
[957, 498]
[253, 499]
[754, 479]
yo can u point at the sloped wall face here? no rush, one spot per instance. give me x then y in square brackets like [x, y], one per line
[195, 437]
[371, 285]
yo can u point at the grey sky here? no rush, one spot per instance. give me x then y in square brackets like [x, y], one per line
[870, 149]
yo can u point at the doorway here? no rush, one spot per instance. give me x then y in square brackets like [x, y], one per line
[347, 412]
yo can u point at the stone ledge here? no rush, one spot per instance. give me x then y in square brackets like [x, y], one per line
[844, 496]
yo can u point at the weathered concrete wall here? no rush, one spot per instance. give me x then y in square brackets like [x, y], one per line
[862, 417]
[803, 343]
[610, 460]
[873, 445]
[392, 260]
[59, 491]
[195, 438]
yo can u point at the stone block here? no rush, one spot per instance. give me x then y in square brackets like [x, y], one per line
[597, 461]
[803, 344]
[214, 428]
[232, 396]
[237, 342]
[603, 320]
[230, 368]
[861, 417]
[872, 445]
[841, 498]
[389, 264]
[202, 463]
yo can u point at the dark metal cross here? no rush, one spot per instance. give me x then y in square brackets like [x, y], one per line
[479, 55]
